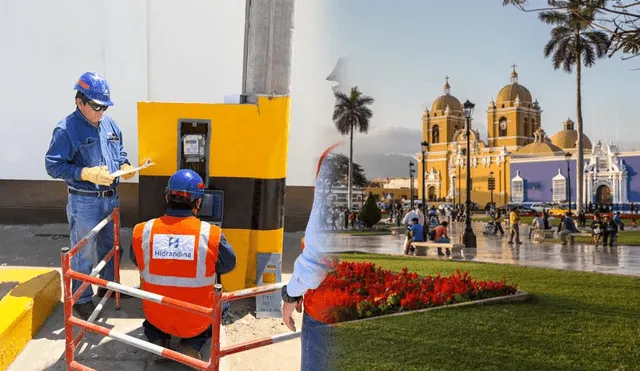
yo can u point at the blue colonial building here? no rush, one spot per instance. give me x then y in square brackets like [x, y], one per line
[542, 171]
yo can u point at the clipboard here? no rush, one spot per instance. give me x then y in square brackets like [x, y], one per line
[134, 170]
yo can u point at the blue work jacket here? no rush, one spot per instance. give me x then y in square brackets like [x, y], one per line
[76, 144]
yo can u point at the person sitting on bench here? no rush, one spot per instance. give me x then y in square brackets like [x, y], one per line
[568, 227]
[538, 223]
[440, 235]
[416, 233]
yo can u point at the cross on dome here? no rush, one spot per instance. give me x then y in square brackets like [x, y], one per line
[514, 74]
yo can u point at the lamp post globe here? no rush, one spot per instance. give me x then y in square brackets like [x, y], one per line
[468, 238]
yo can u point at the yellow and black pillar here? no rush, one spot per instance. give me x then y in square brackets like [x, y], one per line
[247, 161]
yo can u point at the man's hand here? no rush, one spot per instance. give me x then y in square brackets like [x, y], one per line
[97, 175]
[287, 311]
[127, 167]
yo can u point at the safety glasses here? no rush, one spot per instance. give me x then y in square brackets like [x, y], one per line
[95, 106]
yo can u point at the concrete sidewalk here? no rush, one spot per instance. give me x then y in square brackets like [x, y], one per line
[39, 246]
[46, 350]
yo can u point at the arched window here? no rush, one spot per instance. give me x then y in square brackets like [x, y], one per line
[502, 127]
[517, 188]
[534, 125]
[435, 134]
[559, 188]
[527, 133]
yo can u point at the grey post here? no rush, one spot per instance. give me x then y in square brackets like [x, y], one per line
[268, 55]
[268, 47]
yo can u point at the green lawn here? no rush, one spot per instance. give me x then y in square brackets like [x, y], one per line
[573, 321]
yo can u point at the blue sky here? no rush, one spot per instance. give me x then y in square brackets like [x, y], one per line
[400, 51]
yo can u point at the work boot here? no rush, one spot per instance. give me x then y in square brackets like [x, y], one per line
[84, 310]
[102, 292]
[190, 351]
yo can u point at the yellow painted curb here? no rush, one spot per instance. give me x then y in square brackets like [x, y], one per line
[25, 308]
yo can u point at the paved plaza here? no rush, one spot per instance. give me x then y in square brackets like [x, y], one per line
[495, 249]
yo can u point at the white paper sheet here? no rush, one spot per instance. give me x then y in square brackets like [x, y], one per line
[134, 170]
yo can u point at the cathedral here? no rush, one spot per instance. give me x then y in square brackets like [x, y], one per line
[526, 164]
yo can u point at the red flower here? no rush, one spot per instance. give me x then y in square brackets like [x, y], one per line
[360, 290]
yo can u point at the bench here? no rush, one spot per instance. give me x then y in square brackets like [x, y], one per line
[422, 247]
[540, 235]
[571, 236]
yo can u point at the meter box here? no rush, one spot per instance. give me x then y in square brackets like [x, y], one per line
[193, 146]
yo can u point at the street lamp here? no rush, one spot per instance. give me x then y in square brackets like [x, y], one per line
[567, 156]
[411, 172]
[492, 186]
[424, 148]
[459, 186]
[468, 238]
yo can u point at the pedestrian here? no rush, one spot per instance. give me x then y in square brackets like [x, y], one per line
[610, 232]
[180, 257]
[86, 147]
[514, 223]
[305, 290]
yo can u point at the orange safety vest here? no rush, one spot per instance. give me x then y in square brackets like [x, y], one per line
[316, 303]
[177, 258]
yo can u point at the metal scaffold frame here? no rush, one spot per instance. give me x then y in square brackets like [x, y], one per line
[214, 312]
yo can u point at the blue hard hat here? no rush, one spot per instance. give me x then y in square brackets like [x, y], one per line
[186, 183]
[95, 87]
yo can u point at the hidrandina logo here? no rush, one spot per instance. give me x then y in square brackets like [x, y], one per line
[180, 247]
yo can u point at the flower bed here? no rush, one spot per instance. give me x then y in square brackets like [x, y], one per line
[362, 290]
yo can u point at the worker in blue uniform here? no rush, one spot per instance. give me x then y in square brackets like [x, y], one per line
[86, 147]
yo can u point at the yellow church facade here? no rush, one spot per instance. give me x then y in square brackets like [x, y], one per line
[513, 122]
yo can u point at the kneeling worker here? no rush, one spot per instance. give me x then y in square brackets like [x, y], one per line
[179, 257]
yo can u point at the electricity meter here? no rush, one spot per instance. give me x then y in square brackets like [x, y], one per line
[193, 147]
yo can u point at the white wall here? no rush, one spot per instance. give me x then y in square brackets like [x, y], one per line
[163, 50]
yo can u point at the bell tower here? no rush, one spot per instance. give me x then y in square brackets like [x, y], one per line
[513, 118]
[441, 123]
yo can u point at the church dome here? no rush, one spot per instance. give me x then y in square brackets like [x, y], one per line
[446, 100]
[513, 92]
[540, 147]
[568, 138]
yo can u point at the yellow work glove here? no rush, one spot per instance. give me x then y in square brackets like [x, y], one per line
[97, 175]
[127, 167]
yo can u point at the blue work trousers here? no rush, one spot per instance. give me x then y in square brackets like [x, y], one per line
[84, 213]
[153, 333]
[317, 345]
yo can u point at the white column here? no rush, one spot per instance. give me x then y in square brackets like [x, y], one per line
[587, 188]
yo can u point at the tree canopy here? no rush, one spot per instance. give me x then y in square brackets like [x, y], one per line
[618, 19]
[337, 171]
[352, 111]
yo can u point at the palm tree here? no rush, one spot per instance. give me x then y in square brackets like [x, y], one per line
[574, 42]
[351, 112]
